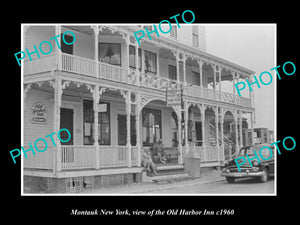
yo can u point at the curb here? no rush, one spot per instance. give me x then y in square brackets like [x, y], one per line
[178, 186]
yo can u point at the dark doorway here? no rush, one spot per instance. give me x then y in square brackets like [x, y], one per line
[66, 121]
[198, 128]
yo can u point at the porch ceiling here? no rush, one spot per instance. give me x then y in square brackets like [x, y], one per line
[82, 29]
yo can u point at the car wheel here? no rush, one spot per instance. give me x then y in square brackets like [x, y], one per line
[265, 175]
[230, 180]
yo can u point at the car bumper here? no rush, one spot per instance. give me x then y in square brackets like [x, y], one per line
[242, 174]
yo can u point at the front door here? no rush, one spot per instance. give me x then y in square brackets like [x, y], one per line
[66, 121]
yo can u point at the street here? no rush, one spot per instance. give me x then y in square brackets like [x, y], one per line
[241, 186]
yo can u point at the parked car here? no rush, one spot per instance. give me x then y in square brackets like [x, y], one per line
[261, 171]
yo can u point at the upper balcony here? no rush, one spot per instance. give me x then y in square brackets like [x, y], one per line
[110, 53]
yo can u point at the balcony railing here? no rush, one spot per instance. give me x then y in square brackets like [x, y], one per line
[79, 65]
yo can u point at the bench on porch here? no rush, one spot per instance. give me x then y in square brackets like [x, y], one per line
[172, 154]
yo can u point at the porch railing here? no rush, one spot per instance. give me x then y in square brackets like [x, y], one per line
[83, 157]
[41, 160]
[76, 64]
[208, 153]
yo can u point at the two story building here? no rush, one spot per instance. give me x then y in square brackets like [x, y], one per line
[112, 95]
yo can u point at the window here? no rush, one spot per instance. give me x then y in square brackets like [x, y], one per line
[150, 62]
[122, 130]
[152, 130]
[173, 32]
[110, 53]
[88, 124]
[132, 57]
[67, 48]
[172, 72]
[195, 78]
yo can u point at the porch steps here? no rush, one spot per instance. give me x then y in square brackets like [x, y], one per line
[168, 174]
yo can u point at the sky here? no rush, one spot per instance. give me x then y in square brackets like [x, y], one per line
[251, 46]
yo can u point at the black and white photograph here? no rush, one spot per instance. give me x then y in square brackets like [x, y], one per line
[163, 115]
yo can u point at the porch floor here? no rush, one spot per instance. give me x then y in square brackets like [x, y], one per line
[81, 172]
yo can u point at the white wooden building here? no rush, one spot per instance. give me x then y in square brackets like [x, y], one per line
[108, 88]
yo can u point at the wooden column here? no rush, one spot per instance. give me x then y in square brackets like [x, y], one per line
[252, 128]
[233, 86]
[201, 77]
[186, 120]
[180, 158]
[222, 132]
[220, 78]
[184, 69]
[57, 50]
[56, 123]
[215, 71]
[217, 129]
[236, 132]
[137, 63]
[203, 131]
[128, 113]
[96, 99]
[177, 66]
[96, 43]
[137, 128]
[241, 128]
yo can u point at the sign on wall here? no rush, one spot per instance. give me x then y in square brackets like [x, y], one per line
[39, 112]
[174, 96]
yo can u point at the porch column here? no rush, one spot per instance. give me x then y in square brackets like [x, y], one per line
[241, 128]
[238, 80]
[128, 112]
[177, 66]
[56, 123]
[184, 69]
[215, 71]
[137, 128]
[217, 129]
[96, 32]
[137, 63]
[233, 86]
[186, 120]
[203, 131]
[57, 50]
[180, 158]
[222, 132]
[201, 78]
[236, 132]
[252, 128]
[96, 99]
[220, 83]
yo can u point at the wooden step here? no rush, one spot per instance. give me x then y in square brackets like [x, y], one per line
[169, 178]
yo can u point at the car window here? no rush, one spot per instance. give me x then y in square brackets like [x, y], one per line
[265, 152]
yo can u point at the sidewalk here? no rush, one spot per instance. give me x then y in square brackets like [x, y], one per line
[146, 188]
